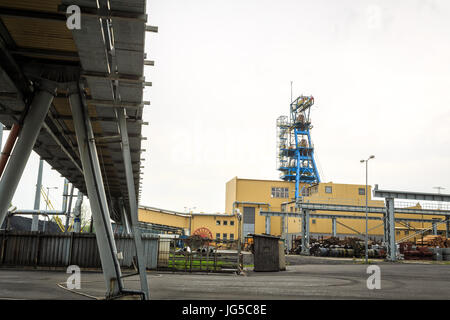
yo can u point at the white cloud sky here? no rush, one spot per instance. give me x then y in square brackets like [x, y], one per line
[379, 72]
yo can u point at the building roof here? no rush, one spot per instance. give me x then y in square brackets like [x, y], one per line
[186, 215]
[265, 180]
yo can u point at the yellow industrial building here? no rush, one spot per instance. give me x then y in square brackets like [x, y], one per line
[252, 195]
[211, 225]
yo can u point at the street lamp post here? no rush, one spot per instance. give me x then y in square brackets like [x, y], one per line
[367, 211]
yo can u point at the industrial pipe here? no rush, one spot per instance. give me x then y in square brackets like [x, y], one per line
[77, 213]
[63, 211]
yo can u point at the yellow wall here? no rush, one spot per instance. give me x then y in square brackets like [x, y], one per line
[345, 194]
[191, 223]
[164, 217]
[210, 222]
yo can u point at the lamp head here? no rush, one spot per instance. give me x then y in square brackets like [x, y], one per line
[372, 156]
[362, 161]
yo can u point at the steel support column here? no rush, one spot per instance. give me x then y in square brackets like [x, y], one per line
[24, 145]
[390, 230]
[121, 114]
[37, 197]
[447, 228]
[96, 194]
[77, 213]
[69, 208]
[333, 227]
[267, 224]
[305, 232]
[434, 228]
[124, 217]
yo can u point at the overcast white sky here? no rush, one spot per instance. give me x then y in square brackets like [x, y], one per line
[379, 72]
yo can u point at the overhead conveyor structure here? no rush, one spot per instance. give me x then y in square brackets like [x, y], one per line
[307, 210]
[75, 97]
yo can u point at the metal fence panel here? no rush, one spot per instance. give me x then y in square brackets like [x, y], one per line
[164, 252]
[151, 251]
[62, 249]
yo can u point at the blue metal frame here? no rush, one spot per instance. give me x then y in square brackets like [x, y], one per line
[299, 125]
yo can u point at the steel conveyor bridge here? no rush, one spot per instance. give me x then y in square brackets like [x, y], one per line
[75, 97]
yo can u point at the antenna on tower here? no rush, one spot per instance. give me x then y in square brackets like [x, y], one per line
[291, 92]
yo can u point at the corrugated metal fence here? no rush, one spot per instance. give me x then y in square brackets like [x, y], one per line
[64, 249]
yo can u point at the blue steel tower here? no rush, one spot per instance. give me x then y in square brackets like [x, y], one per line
[295, 149]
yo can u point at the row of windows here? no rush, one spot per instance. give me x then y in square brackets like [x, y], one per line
[284, 192]
[280, 192]
[224, 236]
[225, 222]
[361, 191]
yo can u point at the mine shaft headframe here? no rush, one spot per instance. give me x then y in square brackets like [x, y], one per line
[302, 103]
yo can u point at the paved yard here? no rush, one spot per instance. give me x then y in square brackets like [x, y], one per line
[307, 281]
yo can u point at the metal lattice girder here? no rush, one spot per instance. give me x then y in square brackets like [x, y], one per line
[336, 216]
[410, 195]
[379, 210]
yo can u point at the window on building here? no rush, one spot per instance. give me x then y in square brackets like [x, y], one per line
[362, 191]
[217, 222]
[224, 236]
[279, 192]
[292, 209]
[231, 236]
[328, 189]
[397, 233]
[406, 233]
[225, 222]
[217, 236]
[313, 221]
[231, 223]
